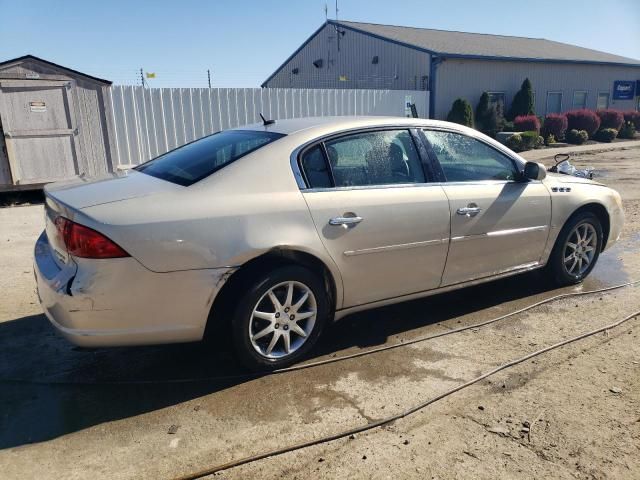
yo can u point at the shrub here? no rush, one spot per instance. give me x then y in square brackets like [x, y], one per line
[583, 120]
[627, 131]
[531, 139]
[461, 113]
[526, 123]
[555, 124]
[524, 141]
[633, 117]
[606, 135]
[508, 127]
[610, 119]
[577, 137]
[488, 117]
[550, 139]
[514, 142]
[522, 101]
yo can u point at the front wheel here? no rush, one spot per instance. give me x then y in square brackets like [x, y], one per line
[576, 250]
[279, 318]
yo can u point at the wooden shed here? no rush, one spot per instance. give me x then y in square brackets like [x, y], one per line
[54, 123]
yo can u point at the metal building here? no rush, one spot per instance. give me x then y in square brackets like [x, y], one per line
[53, 123]
[448, 65]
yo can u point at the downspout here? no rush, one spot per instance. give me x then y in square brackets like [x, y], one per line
[433, 66]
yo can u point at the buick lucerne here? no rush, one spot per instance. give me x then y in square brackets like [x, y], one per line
[265, 233]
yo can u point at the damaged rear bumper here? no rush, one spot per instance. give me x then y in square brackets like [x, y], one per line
[118, 302]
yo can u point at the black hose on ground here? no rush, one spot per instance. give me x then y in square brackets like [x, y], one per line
[398, 416]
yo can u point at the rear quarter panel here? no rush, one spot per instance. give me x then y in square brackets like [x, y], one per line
[246, 209]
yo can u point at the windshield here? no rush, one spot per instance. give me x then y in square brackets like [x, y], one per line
[193, 162]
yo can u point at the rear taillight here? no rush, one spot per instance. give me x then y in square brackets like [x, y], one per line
[85, 242]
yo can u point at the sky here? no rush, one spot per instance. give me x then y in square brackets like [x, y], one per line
[243, 41]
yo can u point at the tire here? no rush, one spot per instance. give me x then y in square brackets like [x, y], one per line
[574, 270]
[257, 313]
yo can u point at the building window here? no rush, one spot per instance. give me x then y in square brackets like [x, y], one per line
[603, 101]
[579, 99]
[554, 102]
[497, 99]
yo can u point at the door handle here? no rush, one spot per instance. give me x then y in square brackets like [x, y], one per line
[345, 221]
[470, 210]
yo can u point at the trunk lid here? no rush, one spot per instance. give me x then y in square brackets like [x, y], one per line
[68, 198]
[81, 192]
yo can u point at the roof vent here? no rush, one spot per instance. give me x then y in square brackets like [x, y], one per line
[318, 63]
[375, 60]
[295, 71]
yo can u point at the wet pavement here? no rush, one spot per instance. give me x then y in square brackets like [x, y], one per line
[51, 388]
[156, 412]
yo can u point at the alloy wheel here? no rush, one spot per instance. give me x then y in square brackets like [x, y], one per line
[580, 249]
[283, 319]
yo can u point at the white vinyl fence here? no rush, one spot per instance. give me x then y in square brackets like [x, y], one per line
[151, 121]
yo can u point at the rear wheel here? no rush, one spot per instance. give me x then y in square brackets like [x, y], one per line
[279, 318]
[576, 250]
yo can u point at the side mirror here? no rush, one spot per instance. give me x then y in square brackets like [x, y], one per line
[534, 171]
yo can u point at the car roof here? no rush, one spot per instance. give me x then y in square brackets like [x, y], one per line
[338, 123]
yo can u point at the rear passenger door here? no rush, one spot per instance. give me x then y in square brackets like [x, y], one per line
[499, 222]
[385, 227]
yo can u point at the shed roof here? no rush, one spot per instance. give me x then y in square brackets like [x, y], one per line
[55, 65]
[480, 45]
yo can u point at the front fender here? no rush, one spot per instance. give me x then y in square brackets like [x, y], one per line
[567, 198]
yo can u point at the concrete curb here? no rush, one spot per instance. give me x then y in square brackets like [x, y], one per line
[550, 152]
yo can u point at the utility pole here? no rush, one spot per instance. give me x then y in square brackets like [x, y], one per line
[142, 77]
[209, 77]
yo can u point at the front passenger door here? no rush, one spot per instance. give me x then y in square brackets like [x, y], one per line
[498, 222]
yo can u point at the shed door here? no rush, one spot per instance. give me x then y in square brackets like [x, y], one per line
[39, 129]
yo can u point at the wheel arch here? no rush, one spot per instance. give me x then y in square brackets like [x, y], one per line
[600, 211]
[274, 258]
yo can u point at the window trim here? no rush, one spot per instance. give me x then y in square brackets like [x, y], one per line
[298, 153]
[553, 92]
[516, 164]
[573, 98]
[434, 176]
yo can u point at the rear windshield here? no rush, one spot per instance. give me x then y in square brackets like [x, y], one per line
[196, 160]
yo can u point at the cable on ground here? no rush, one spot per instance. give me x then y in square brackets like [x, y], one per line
[398, 416]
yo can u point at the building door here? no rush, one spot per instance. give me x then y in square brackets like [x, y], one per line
[554, 102]
[39, 129]
[603, 100]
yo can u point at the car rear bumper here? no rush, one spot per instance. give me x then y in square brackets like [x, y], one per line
[119, 302]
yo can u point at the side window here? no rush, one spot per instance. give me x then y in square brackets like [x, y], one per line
[375, 158]
[314, 167]
[466, 159]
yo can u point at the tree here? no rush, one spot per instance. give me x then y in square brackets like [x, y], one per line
[461, 112]
[522, 102]
[488, 116]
